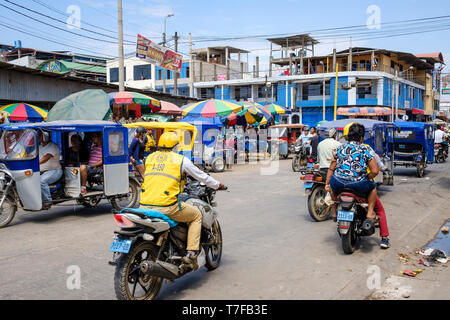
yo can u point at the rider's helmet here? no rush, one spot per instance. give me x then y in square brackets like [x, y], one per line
[330, 133]
[347, 129]
[168, 140]
[141, 130]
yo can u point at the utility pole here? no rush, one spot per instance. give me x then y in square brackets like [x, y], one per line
[121, 59]
[191, 69]
[175, 74]
[164, 45]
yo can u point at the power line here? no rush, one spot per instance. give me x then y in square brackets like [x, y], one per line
[42, 22]
[83, 21]
[57, 42]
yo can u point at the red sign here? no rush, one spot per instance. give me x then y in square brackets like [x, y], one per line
[159, 55]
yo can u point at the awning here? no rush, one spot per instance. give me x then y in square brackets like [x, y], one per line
[418, 111]
[157, 117]
[367, 111]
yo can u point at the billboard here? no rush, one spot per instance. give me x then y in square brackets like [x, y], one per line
[159, 55]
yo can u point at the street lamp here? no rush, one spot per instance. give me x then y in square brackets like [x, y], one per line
[164, 44]
[323, 90]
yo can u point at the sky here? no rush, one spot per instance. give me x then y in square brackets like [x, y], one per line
[212, 18]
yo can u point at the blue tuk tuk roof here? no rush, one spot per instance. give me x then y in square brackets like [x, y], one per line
[367, 123]
[75, 125]
[412, 124]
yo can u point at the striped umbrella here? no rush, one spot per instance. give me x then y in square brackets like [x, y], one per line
[211, 108]
[251, 115]
[126, 97]
[230, 120]
[24, 112]
[276, 109]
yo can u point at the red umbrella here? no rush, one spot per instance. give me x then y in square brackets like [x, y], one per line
[170, 108]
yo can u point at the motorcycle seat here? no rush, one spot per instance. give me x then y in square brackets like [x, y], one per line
[360, 198]
[149, 213]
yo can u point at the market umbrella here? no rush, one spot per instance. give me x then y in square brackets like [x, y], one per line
[91, 104]
[211, 108]
[126, 97]
[276, 109]
[24, 112]
[251, 115]
[230, 120]
[170, 108]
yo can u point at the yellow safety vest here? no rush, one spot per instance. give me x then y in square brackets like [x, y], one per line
[150, 143]
[163, 181]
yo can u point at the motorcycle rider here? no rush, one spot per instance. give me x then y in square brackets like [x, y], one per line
[305, 139]
[327, 148]
[439, 137]
[165, 174]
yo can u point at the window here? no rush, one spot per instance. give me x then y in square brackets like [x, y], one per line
[188, 72]
[169, 74]
[354, 66]
[362, 91]
[315, 90]
[115, 142]
[243, 93]
[114, 74]
[207, 93]
[159, 74]
[18, 145]
[143, 72]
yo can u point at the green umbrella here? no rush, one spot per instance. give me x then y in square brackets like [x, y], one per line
[89, 104]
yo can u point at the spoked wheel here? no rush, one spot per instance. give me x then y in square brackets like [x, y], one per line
[349, 241]
[127, 201]
[129, 282]
[7, 211]
[318, 209]
[218, 165]
[296, 163]
[214, 251]
[420, 169]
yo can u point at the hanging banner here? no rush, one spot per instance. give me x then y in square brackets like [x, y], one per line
[159, 55]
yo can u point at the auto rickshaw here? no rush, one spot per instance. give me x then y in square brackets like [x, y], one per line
[20, 174]
[283, 137]
[186, 132]
[379, 135]
[414, 145]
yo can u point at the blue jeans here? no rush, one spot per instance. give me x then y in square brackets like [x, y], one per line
[49, 177]
[361, 187]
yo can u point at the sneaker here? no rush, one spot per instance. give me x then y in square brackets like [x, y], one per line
[385, 243]
[191, 259]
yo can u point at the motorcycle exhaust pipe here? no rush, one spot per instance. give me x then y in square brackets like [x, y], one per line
[160, 269]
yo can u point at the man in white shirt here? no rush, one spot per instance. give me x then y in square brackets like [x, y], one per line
[50, 167]
[305, 138]
[327, 148]
[439, 136]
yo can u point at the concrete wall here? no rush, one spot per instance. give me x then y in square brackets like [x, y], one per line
[129, 77]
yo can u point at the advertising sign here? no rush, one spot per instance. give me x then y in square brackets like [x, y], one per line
[159, 55]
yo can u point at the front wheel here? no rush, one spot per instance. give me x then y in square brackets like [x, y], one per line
[318, 209]
[218, 164]
[129, 282]
[349, 241]
[7, 211]
[296, 163]
[214, 250]
[128, 201]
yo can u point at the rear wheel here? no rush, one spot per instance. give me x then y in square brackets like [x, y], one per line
[214, 251]
[90, 202]
[218, 164]
[129, 282]
[7, 211]
[317, 207]
[127, 201]
[349, 241]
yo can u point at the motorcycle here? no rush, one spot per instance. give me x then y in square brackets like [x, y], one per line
[314, 179]
[440, 154]
[352, 222]
[149, 246]
[301, 156]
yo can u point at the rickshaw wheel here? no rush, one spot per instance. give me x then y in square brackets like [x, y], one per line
[11, 207]
[134, 193]
[90, 202]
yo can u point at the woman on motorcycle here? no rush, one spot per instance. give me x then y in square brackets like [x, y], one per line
[348, 170]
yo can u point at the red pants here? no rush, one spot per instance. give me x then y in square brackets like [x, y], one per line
[379, 211]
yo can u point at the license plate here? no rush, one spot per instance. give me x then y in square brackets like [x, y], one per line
[310, 165]
[402, 146]
[308, 185]
[346, 216]
[119, 245]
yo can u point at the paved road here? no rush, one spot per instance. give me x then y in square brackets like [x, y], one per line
[272, 248]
